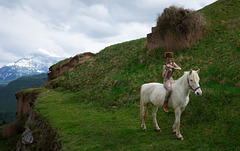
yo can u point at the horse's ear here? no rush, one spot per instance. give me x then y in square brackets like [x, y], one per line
[190, 72]
[198, 70]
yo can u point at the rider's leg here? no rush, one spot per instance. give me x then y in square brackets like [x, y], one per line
[168, 87]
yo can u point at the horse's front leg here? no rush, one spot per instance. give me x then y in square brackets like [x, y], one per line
[176, 125]
[154, 113]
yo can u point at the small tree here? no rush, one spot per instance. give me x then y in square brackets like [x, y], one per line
[180, 28]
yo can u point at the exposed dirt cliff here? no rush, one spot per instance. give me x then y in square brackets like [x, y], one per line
[25, 100]
[68, 65]
[38, 134]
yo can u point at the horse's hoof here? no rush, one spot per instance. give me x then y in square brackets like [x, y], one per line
[181, 138]
[143, 127]
[158, 130]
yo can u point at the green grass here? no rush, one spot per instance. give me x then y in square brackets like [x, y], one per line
[82, 104]
[81, 108]
[90, 126]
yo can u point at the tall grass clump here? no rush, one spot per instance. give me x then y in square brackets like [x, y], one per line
[180, 28]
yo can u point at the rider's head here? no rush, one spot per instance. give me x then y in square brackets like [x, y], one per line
[169, 57]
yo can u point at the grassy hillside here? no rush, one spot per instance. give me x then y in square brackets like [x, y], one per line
[99, 100]
[96, 105]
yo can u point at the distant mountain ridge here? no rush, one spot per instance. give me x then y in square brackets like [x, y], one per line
[30, 65]
[8, 102]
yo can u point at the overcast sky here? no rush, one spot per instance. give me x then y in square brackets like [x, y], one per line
[69, 27]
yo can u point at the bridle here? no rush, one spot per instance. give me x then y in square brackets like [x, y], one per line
[194, 90]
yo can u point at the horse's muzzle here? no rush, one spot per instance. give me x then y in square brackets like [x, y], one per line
[198, 92]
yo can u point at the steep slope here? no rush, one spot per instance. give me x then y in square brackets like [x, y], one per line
[95, 106]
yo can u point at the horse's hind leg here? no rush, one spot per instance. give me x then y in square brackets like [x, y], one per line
[154, 113]
[143, 115]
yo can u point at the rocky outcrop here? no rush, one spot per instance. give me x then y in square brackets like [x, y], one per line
[153, 39]
[27, 137]
[68, 65]
[38, 134]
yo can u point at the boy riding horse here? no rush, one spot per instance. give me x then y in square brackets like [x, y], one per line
[168, 71]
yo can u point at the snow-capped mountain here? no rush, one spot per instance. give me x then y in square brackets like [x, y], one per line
[32, 64]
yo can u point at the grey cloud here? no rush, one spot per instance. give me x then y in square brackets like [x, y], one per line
[10, 3]
[68, 27]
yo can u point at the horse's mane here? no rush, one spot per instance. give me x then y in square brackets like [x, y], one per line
[183, 76]
[180, 80]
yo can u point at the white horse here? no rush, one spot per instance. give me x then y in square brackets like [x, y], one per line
[154, 93]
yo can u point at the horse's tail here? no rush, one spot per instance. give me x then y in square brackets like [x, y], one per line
[141, 111]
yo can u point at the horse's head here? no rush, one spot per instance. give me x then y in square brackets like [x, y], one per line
[193, 82]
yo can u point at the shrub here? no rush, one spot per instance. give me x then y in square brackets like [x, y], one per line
[180, 28]
[12, 129]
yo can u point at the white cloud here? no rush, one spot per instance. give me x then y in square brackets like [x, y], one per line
[7, 57]
[69, 27]
[97, 11]
[129, 31]
[45, 52]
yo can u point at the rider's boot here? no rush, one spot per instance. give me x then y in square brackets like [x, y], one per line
[165, 106]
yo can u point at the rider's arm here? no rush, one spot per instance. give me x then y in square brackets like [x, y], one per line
[176, 67]
[170, 66]
[164, 71]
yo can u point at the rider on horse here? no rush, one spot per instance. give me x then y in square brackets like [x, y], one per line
[168, 71]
